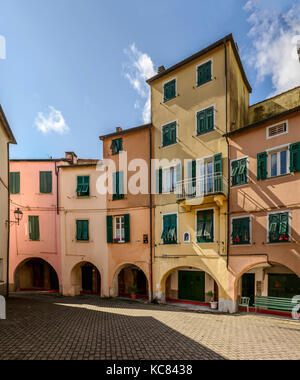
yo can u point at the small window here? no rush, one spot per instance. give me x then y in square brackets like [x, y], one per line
[241, 231]
[169, 134]
[45, 182]
[239, 172]
[82, 230]
[83, 186]
[279, 227]
[205, 121]
[116, 146]
[34, 228]
[169, 179]
[170, 90]
[14, 182]
[204, 73]
[205, 226]
[278, 162]
[276, 130]
[169, 233]
[119, 232]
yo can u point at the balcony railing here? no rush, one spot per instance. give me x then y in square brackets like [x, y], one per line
[202, 186]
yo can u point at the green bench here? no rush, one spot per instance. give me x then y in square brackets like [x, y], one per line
[274, 303]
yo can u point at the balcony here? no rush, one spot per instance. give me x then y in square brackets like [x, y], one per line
[194, 191]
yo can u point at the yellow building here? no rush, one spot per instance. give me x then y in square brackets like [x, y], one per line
[194, 103]
[6, 138]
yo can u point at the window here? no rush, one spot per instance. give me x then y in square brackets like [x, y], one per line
[239, 172]
[170, 90]
[205, 121]
[276, 130]
[169, 179]
[34, 228]
[169, 134]
[83, 186]
[240, 231]
[169, 233]
[116, 146]
[118, 185]
[45, 182]
[118, 228]
[82, 230]
[278, 162]
[204, 73]
[205, 226]
[279, 227]
[14, 182]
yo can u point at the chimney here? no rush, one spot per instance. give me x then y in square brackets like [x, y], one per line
[119, 129]
[161, 69]
[71, 158]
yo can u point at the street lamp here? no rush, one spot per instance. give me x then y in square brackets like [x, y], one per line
[18, 216]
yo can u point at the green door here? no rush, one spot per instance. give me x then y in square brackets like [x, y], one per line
[191, 285]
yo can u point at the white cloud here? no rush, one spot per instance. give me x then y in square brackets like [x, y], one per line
[137, 71]
[274, 37]
[2, 47]
[53, 121]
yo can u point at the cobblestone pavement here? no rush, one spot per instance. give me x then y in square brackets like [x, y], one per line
[52, 327]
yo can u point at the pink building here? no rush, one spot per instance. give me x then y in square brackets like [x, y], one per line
[35, 252]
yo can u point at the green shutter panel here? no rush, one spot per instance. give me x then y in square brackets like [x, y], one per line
[201, 122]
[210, 118]
[158, 181]
[295, 157]
[14, 183]
[30, 224]
[45, 182]
[85, 229]
[121, 184]
[78, 230]
[262, 165]
[34, 230]
[127, 228]
[109, 229]
[200, 75]
[208, 71]
[218, 172]
[191, 178]
[37, 228]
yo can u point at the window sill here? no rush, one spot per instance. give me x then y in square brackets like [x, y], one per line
[205, 133]
[278, 242]
[169, 243]
[83, 241]
[203, 84]
[278, 176]
[166, 146]
[239, 185]
[168, 100]
[241, 245]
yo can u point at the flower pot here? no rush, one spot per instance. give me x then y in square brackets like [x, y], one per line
[214, 305]
[133, 296]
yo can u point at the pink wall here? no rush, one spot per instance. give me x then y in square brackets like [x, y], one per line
[31, 202]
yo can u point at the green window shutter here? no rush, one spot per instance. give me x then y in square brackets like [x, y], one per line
[218, 172]
[173, 134]
[234, 172]
[295, 157]
[201, 123]
[127, 228]
[34, 229]
[83, 186]
[118, 185]
[85, 228]
[207, 69]
[205, 228]
[169, 234]
[274, 224]
[109, 229]
[116, 146]
[78, 230]
[209, 114]
[262, 165]
[170, 90]
[14, 182]
[178, 179]
[191, 189]
[45, 182]
[241, 231]
[158, 181]
[169, 134]
[204, 73]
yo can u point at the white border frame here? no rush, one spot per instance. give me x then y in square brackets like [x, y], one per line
[162, 226]
[188, 241]
[212, 72]
[250, 230]
[161, 133]
[290, 225]
[274, 150]
[214, 221]
[203, 109]
[115, 227]
[248, 164]
[163, 90]
[175, 173]
[275, 125]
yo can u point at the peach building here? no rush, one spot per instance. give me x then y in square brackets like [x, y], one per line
[128, 214]
[264, 200]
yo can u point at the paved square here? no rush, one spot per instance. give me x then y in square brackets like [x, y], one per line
[52, 327]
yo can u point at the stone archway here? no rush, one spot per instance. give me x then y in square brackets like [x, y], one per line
[127, 277]
[86, 279]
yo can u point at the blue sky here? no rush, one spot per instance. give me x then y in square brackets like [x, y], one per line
[74, 70]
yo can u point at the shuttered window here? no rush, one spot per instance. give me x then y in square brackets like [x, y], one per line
[204, 73]
[169, 134]
[34, 228]
[14, 182]
[169, 230]
[118, 228]
[239, 172]
[118, 185]
[170, 90]
[279, 227]
[82, 230]
[45, 182]
[262, 165]
[205, 121]
[205, 226]
[116, 146]
[83, 186]
[240, 231]
[295, 157]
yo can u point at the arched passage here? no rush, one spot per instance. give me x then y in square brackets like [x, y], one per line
[130, 279]
[267, 279]
[189, 284]
[86, 278]
[36, 274]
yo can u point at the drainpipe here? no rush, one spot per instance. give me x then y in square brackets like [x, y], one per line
[228, 156]
[8, 222]
[57, 198]
[151, 221]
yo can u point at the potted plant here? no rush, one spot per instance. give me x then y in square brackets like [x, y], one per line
[133, 290]
[213, 303]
